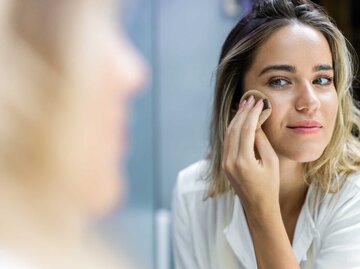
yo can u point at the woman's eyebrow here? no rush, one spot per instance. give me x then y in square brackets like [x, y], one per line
[281, 67]
[292, 69]
[322, 67]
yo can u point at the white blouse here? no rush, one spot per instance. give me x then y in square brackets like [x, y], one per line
[213, 233]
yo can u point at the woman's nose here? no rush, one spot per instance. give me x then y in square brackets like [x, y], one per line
[307, 100]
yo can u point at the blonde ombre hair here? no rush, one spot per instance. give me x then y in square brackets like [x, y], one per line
[342, 155]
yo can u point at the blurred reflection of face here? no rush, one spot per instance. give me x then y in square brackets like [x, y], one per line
[113, 72]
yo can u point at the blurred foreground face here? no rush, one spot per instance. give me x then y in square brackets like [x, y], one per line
[67, 77]
[110, 72]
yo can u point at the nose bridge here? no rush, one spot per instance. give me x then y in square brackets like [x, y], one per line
[132, 69]
[307, 98]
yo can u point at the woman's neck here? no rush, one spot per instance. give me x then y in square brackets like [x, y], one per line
[293, 187]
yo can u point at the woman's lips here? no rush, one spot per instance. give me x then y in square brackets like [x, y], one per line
[305, 127]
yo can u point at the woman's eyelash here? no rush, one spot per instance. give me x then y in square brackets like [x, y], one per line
[320, 80]
[277, 82]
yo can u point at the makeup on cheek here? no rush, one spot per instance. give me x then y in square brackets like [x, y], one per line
[266, 107]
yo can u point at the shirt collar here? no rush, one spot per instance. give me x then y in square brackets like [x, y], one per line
[305, 230]
[239, 238]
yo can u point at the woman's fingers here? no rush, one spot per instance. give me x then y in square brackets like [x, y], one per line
[231, 141]
[249, 178]
[242, 135]
[246, 143]
[264, 148]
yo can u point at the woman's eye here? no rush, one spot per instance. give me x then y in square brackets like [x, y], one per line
[323, 81]
[278, 82]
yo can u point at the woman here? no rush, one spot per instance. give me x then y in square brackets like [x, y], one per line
[66, 79]
[286, 195]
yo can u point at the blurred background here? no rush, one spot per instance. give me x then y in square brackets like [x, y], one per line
[181, 41]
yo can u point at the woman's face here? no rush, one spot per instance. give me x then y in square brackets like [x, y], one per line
[110, 73]
[294, 69]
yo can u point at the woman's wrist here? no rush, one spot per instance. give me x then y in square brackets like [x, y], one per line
[259, 213]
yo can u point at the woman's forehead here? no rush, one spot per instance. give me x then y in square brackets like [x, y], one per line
[294, 45]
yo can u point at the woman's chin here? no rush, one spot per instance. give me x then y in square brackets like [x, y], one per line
[304, 156]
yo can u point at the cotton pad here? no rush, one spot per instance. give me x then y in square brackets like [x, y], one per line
[266, 108]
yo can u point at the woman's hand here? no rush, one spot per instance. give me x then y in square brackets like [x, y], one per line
[249, 161]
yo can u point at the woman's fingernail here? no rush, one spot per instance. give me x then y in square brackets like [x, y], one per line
[260, 103]
[242, 104]
[250, 100]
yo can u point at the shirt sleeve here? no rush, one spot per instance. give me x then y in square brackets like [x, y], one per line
[340, 244]
[184, 257]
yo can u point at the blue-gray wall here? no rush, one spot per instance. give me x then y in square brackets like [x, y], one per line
[181, 40]
[190, 35]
